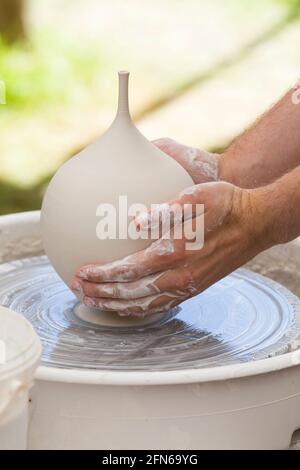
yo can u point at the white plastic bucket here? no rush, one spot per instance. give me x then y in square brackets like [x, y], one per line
[20, 351]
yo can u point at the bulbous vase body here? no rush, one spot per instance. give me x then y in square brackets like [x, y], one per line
[120, 163]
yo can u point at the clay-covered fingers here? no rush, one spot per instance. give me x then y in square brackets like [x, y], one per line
[159, 256]
[178, 282]
[176, 248]
[189, 203]
[118, 290]
[171, 147]
[185, 155]
[213, 201]
[138, 307]
[165, 253]
[201, 165]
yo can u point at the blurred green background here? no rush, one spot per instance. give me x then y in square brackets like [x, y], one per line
[201, 71]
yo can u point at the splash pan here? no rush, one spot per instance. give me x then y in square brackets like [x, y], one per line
[220, 372]
[244, 317]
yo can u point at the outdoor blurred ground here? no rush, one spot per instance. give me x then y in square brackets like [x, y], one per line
[201, 71]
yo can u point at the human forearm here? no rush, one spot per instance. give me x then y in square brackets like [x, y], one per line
[270, 148]
[277, 209]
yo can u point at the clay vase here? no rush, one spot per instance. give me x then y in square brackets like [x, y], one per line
[122, 162]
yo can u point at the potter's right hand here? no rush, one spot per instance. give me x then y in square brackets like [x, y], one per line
[202, 166]
[168, 271]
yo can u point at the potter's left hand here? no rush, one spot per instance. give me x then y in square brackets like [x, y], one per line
[166, 273]
[202, 166]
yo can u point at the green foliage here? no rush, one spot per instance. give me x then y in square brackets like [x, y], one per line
[291, 3]
[16, 199]
[48, 69]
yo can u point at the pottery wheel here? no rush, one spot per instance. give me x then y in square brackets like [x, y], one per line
[243, 317]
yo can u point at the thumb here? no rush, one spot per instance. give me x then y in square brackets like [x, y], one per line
[188, 204]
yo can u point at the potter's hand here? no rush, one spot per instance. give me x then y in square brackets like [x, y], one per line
[202, 166]
[166, 273]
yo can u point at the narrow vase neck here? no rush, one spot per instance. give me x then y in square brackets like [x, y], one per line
[123, 106]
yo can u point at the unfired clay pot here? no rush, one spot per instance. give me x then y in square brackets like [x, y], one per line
[120, 163]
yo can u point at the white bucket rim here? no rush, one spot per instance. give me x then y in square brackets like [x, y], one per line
[28, 355]
[184, 376]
